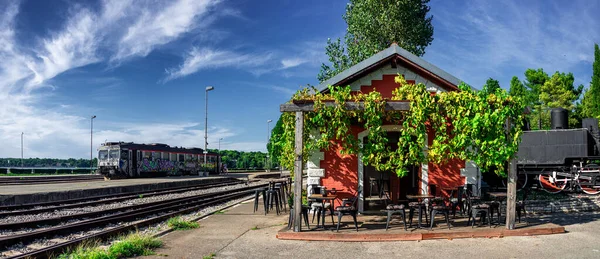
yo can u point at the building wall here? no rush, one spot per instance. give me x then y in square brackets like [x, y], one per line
[340, 170]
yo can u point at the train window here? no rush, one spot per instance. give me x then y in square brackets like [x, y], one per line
[139, 155]
[113, 154]
[173, 157]
[102, 154]
[147, 154]
[164, 156]
[124, 155]
[181, 158]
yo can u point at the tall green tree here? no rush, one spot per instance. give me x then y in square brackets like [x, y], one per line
[490, 86]
[590, 105]
[534, 80]
[374, 25]
[560, 92]
[517, 89]
[273, 147]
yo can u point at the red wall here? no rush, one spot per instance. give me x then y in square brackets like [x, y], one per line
[341, 170]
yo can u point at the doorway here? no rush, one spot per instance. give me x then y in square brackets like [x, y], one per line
[384, 187]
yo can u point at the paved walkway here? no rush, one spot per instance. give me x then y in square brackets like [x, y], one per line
[239, 233]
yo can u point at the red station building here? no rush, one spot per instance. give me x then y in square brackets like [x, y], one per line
[331, 169]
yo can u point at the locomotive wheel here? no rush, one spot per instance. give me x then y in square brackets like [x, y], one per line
[586, 180]
[522, 179]
[553, 181]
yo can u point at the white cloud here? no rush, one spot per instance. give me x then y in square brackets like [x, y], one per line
[293, 62]
[205, 58]
[162, 24]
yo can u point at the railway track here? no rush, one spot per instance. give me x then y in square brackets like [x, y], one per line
[34, 208]
[24, 180]
[129, 217]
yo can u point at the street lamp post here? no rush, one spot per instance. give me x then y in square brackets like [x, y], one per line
[22, 149]
[268, 141]
[208, 88]
[219, 156]
[91, 141]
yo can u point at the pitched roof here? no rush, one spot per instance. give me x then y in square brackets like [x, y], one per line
[397, 54]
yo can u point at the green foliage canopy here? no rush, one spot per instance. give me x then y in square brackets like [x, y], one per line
[590, 105]
[468, 126]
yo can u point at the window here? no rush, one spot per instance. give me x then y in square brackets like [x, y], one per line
[139, 155]
[113, 154]
[124, 155]
[181, 158]
[164, 156]
[103, 154]
[147, 155]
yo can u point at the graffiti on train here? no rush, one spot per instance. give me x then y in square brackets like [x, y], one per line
[158, 165]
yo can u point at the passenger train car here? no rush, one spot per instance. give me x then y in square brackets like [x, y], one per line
[131, 160]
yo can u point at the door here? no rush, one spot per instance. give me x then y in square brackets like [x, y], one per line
[133, 163]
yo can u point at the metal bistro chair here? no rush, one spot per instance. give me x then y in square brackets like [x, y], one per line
[319, 207]
[438, 206]
[348, 208]
[395, 209]
[475, 207]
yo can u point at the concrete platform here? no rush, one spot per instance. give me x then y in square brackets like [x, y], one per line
[240, 233]
[372, 229]
[36, 193]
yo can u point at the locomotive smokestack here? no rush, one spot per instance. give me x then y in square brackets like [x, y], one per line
[559, 118]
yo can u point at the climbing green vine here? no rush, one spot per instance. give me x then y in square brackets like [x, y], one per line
[465, 125]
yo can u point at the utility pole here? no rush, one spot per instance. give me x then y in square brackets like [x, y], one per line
[208, 88]
[91, 141]
[22, 149]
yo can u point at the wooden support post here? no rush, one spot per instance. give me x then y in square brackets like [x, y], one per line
[298, 172]
[511, 191]
[511, 194]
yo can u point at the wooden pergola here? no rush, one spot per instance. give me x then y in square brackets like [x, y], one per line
[299, 109]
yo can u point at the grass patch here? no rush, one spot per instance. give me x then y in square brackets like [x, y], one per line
[87, 250]
[211, 256]
[220, 212]
[255, 228]
[178, 223]
[134, 244]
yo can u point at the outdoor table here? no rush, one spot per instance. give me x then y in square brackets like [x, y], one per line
[497, 195]
[419, 197]
[323, 199]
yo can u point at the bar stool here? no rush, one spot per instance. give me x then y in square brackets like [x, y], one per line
[273, 198]
[257, 193]
[279, 188]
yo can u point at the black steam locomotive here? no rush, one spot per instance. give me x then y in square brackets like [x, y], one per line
[561, 158]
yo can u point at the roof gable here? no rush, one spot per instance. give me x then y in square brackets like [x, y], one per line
[394, 55]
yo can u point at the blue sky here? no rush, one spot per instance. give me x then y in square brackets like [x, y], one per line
[142, 66]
